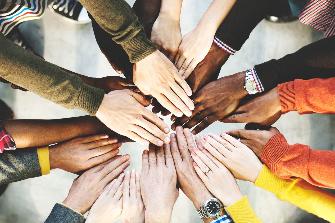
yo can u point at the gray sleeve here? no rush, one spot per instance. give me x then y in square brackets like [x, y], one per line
[62, 214]
[19, 165]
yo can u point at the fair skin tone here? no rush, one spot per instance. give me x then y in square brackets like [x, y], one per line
[87, 152]
[133, 207]
[255, 139]
[166, 31]
[157, 76]
[108, 206]
[235, 156]
[228, 192]
[189, 181]
[158, 171]
[196, 44]
[89, 186]
[123, 111]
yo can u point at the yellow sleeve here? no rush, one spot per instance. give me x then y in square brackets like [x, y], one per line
[242, 212]
[43, 159]
[300, 193]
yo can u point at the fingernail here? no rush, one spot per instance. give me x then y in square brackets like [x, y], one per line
[160, 143]
[166, 130]
[105, 137]
[121, 175]
[167, 139]
[113, 141]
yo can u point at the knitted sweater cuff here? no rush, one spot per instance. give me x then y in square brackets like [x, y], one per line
[62, 214]
[287, 97]
[138, 47]
[273, 152]
[242, 212]
[90, 98]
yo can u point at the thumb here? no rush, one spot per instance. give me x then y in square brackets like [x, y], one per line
[142, 99]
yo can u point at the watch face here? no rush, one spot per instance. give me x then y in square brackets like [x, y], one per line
[213, 208]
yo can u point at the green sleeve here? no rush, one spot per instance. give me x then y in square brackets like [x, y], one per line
[45, 79]
[118, 19]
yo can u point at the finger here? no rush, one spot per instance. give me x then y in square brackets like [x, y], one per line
[152, 158]
[204, 168]
[112, 166]
[181, 93]
[204, 124]
[168, 156]
[116, 184]
[190, 69]
[100, 167]
[183, 84]
[176, 101]
[146, 135]
[119, 192]
[153, 130]
[135, 137]
[180, 62]
[199, 142]
[198, 118]
[224, 144]
[142, 99]
[201, 174]
[190, 139]
[126, 189]
[221, 149]
[132, 191]
[182, 144]
[116, 172]
[156, 121]
[160, 156]
[175, 150]
[145, 162]
[165, 102]
[184, 67]
[102, 158]
[238, 118]
[215, 153]
[138, 186]
[243, 134]
[236, 143]
[93, 138]
[205, 159]
[212, 158]
[98, 151]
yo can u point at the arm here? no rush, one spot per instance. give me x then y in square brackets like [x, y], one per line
[27, 133]
[312, 61]
[45, 79]
[306, 96]
[286, 161]
[299, 193]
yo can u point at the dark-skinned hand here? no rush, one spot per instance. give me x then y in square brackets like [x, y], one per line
[264, 110]
[214, 102]
[254, 139]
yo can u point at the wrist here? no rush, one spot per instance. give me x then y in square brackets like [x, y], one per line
[231, 199]
[156, 215]
[53, 157]
[200, 198]
[75, 206]
[171, 9]
[238, 80]
[171, 16]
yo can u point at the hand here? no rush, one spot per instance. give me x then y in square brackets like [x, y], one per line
[214, 102]
[124, 112]
[264, 110]
[188, 179]
[133, 208]
[237, 157]
[166, 34]
[155, 75]
[83, 153]
[88, 187]
[158, 184]
[112, 83]
[192, 50]
[255, 139]
[208, 69]
[108, 206]
[213, 173]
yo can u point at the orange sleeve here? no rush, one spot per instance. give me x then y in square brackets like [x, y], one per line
[308, 96]
[315, 166]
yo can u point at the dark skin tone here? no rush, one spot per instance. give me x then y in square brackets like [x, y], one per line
[214, 102]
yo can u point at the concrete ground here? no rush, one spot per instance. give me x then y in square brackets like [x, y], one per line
[74, 47]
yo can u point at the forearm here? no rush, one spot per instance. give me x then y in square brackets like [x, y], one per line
[45, 79]
[117, 18]
[171, 8]
[215, 14]
[299, 193]
[35, 133]
[312, 61]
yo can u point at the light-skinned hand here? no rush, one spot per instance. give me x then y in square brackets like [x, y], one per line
[217, 178]
[108, 207]
[133, 208]
[158, 184]
[189, 181]
[234, 155]
[255, 139]
[124, 112]
[80, 154]
[264, 110]
[214, 102]
[86, 189]
[157, 76]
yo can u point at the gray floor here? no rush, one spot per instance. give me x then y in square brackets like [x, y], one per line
[74, 47]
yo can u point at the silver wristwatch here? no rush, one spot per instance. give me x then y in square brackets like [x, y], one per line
[212, 208]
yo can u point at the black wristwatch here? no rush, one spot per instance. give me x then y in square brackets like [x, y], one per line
[212, 208]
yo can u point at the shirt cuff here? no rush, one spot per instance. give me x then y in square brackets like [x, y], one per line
[287, 97]
[242, 212]
[62, 214]
[44, 160]
[6, 141]
[90, 98]
[224, 46]
[223, 219]
[273, 151]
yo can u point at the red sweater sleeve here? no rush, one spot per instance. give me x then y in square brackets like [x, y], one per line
[308, 96]
[286, 161]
